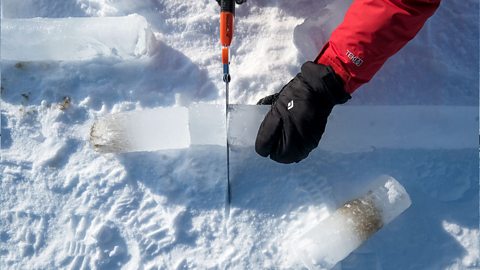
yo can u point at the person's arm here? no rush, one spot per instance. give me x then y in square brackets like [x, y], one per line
[372, 31]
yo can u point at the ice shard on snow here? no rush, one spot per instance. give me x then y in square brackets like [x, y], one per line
[72, 39]
[335, 237]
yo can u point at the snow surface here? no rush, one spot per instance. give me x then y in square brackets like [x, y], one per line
[65, 206]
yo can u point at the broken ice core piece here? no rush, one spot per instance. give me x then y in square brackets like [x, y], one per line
[71, 39]
[335, 237]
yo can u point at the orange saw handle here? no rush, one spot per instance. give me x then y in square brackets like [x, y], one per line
[227, 14]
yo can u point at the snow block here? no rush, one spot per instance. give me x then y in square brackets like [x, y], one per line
[73, 39]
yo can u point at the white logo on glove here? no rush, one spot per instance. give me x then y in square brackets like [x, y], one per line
[290, 105]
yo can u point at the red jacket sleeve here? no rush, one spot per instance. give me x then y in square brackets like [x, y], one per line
[371, 32]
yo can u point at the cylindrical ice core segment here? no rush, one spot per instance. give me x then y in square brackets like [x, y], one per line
[346, 229]
[75, 39]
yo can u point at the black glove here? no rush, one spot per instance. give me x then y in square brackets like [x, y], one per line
[298, 116]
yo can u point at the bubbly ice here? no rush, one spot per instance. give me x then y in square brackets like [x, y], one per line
[334, 238]
[70, 39]
[160, 128]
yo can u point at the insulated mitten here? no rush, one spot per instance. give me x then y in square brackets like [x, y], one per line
[298, 114]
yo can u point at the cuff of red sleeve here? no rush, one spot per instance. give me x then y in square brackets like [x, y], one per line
[329, 57]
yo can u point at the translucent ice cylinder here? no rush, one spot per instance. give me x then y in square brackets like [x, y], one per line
[70, 39]
[348, 227]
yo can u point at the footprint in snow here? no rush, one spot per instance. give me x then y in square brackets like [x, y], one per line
[317, 192]
[26, 232]
[93, 244]
[151, 225]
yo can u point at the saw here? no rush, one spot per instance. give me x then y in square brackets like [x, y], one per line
[227, 16]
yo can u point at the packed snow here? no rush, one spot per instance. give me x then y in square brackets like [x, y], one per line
[64, 205]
